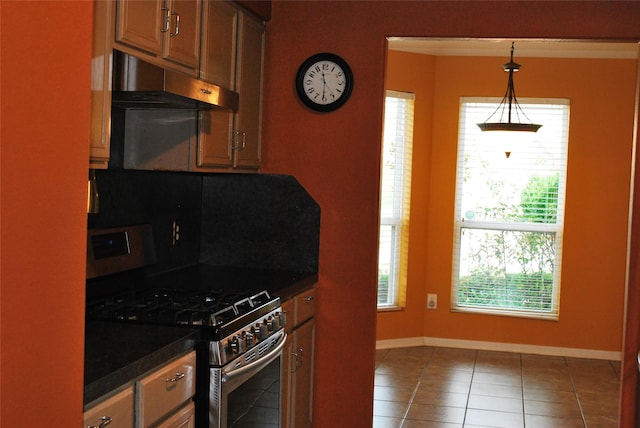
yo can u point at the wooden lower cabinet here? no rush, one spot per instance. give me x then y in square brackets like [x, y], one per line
[297, 371]
[161, 399]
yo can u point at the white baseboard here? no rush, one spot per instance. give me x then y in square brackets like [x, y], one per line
[497, 346]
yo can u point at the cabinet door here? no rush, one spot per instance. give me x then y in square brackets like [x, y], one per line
[182, 40]
[218, 59]
[101, 84]
[214, 139]
[141, 24]
[302, 383]
[117, 409]
[248, 124]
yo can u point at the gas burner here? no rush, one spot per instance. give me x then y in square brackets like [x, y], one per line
[215, 310]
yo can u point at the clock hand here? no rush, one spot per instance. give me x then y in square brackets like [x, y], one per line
[324, 86]
[330, 91]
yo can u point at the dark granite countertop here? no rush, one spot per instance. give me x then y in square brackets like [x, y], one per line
[117, 353]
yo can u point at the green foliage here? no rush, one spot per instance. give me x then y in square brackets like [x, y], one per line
[513, 291]
[494, 255]
[539, 200]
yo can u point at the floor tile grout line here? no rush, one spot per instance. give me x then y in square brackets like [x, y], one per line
[415, 391]
[575, 392]
[473, 372]
[406, 411]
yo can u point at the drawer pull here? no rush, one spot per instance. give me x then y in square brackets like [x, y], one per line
[175, 379]
[105, 420]
[308, 299]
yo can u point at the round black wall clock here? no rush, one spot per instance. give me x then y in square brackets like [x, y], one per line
[324, 82]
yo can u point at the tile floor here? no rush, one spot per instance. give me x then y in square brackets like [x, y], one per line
[444, 387]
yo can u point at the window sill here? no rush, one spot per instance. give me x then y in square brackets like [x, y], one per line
[507, 313]
[390, 308]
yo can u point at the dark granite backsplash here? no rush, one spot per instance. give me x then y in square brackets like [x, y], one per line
[259, 221]
[238, 220]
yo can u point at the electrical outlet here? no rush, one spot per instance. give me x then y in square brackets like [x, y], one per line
[432, 301]
[175, 233]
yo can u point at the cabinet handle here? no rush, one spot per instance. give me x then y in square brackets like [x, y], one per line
[205, 91]
[239, 140]
[167, 19]
[177, 15]
[175, 379]
[308, 299]
[299, 362]
[104, 421]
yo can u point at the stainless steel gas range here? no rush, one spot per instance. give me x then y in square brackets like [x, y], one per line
[241, 327]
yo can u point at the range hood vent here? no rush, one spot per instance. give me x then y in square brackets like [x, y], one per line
[140, 85]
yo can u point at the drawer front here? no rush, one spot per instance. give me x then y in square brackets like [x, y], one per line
[287, 310]
[183, 418]
[305, 306]
[166, 389]
[118, 409]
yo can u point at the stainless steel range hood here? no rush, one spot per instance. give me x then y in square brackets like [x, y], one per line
[140, 85]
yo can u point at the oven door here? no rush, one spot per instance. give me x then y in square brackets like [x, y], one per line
[248, 396]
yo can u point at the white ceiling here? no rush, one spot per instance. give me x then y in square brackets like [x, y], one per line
[523, 48]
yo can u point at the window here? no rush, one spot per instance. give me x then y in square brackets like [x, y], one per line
[509, 213]
[395, 191]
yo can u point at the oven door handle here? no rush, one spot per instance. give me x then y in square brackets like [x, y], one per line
[257, 365]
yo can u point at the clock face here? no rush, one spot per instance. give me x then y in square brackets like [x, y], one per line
[324, 82]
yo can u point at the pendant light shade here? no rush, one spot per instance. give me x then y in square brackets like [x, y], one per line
[508, 116]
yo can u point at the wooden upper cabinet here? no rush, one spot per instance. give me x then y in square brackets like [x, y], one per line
[218, 64]
[101, 61]
[249, 85]
[167, 30]
[232, 57]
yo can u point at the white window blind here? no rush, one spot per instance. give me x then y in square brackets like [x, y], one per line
[509, 212]
[395, 192]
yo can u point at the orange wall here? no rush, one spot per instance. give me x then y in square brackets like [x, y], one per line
[45, 125]
[593, 268]
[45, 81]
[336, 155]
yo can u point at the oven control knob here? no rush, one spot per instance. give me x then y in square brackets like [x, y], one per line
[270, 325]
[234, 345]
[275, 323]
[282, 317]
[261, 331]
[248, 337]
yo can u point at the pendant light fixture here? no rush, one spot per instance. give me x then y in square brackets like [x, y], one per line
[509, 109]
